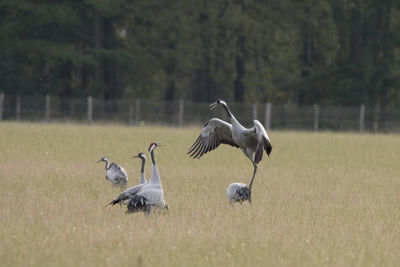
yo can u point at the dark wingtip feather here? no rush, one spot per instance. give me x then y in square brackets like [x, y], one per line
[269, 150]
[268, 147]
[194, 145]
[259, 153]
[200, 152]
[195, 151]
[205, 150]
[115, 201]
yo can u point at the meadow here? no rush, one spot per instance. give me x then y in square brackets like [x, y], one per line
[321, 199]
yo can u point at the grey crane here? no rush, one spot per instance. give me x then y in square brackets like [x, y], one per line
[253, 141]
[143, 158]
[238, 192]
[115, 173]
[145, 197]
[134, 189]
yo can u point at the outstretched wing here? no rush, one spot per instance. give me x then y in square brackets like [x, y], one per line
[214, 133]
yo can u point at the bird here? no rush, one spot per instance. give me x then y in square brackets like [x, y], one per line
[142, 156]
[134, 189]
[253, 141]
[115, 173]
[145, 197]
[238, 192]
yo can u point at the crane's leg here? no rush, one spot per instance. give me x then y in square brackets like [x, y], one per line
[249, 197]
[149, 210]
[252, 179]
[165, 209]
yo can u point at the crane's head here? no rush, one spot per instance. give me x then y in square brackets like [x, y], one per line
[216, 103]
[153, 145]
[105, 159]
[140, 155]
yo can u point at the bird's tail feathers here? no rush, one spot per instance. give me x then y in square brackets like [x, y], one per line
[268, 147]
[259, 152]
[115, 201]
[136, 204]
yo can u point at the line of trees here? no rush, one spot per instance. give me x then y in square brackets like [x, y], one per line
[343, 52]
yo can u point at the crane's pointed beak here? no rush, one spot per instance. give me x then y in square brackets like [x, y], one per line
[136, 156]
[160, 144]
[213, 105]
[99, 161]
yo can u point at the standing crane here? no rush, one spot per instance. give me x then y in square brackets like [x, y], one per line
[115, 173]
[253, 141]
[145, 197]
[134, 189]
[143, 158]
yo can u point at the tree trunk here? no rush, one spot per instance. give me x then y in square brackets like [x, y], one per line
[109, 67]
[240, 68]
[355, 33]
[261, 89]
[170, 70]
[308, 47]
[97, 44]
[204, 85]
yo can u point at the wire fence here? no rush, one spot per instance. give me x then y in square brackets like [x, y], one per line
[183, 113]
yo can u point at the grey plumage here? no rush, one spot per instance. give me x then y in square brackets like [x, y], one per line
[238, 192]
[134, 189]
[115, 173]
[145, 197]
[253, 141]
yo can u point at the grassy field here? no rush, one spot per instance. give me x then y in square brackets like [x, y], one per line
[321, 199]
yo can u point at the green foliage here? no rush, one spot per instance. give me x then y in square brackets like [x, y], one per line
[329, 52]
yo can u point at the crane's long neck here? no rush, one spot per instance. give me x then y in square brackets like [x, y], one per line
[155, 177]
[227, 111]
[142, 178]
[107, 164]
[234, 121]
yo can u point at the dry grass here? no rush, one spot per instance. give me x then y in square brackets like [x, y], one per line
[321, 199]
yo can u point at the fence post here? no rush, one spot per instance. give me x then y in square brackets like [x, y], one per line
[1, 105]
[90, 109]
[316, 117]
[180, 118]
[377, 112]
[254, 111]
[268, 116]
[18, 108]
[47, 113]
[137, 111]
[131, 114]
[362, 118]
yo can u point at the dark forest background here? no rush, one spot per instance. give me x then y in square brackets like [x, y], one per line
[334, 52]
